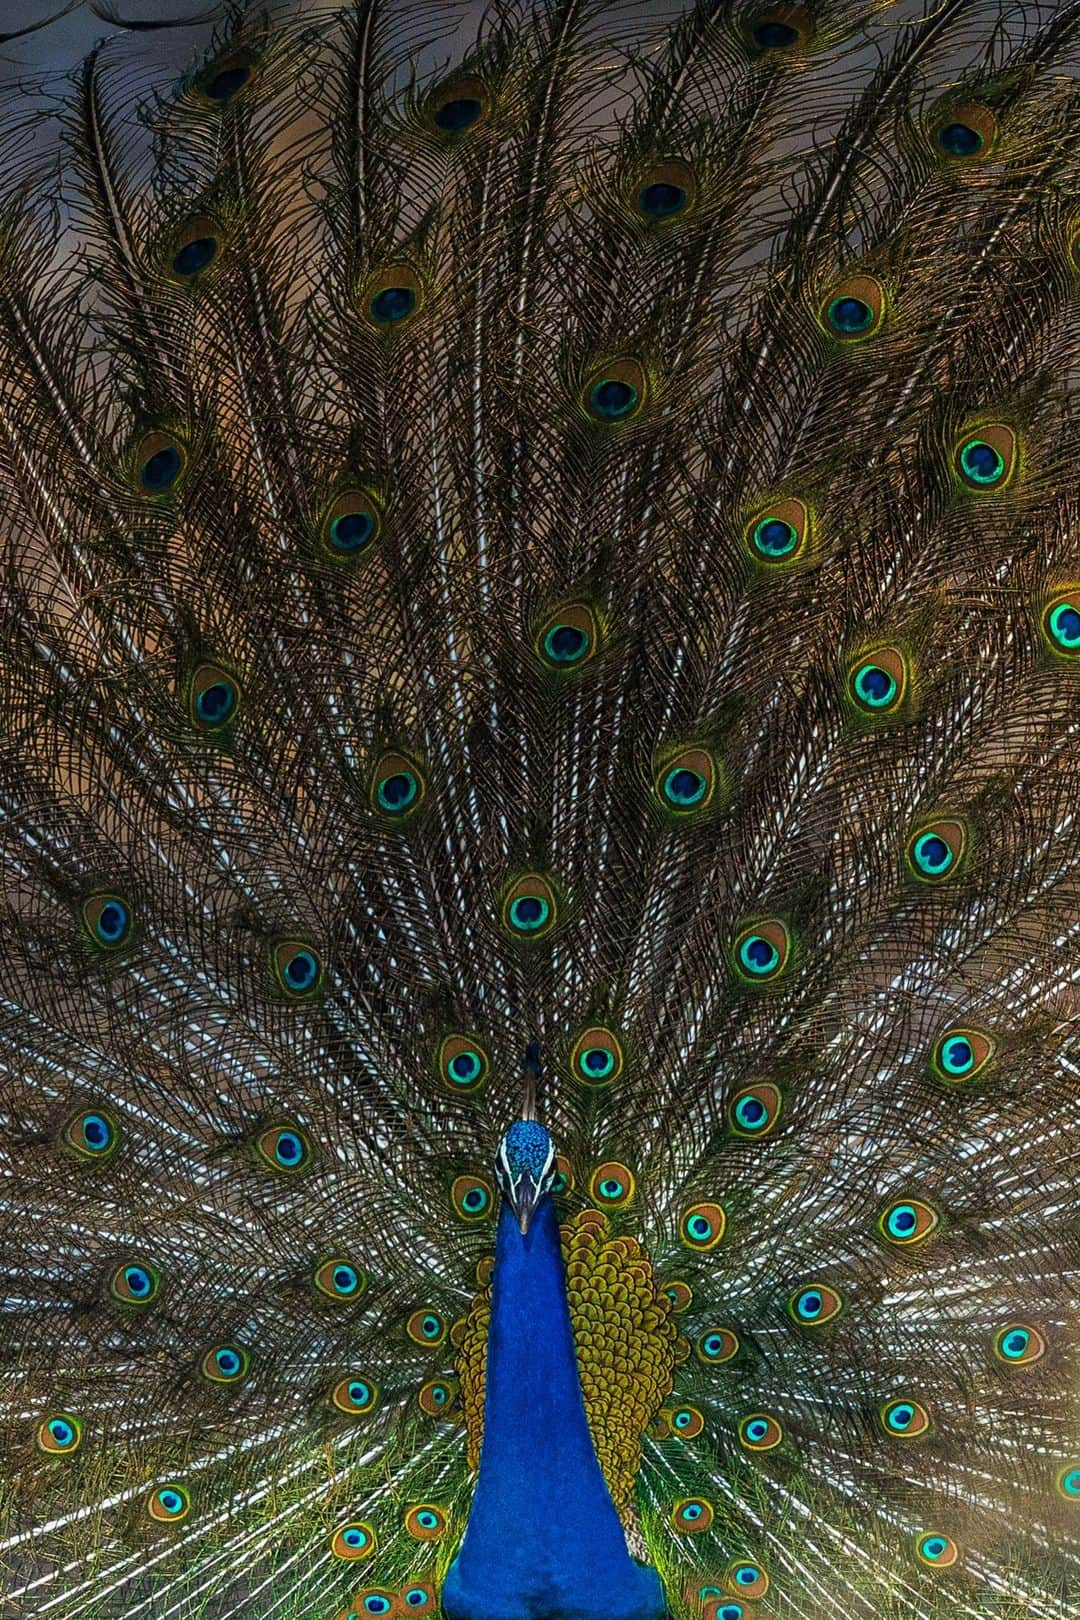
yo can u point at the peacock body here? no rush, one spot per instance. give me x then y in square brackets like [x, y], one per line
[541, 817]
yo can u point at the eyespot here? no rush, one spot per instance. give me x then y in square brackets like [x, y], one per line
[297, 968]
[372, 1600]
[215, 698]
[225, 1364]
[135, 1283]
[354, 1395]
[194, 249]
[1061, 624]
[463, 1063]
[959, 1054]
[986, 460]
[935, 1550]
[964, 132]
[702, 1226]
[109, 920]
[854, 309]
[159, 461]
[780, 28]
[437, 1398]
[936, 850]
[878, 682]
[457, 107]
[692, 1515]
[92, 1134]
[761, 951]
[568, 638]
[397, 787]
[759, 1432]
[353, 1541]
[426, 1327]
[485, 1270]
[284, 1147]
[528, 908]
[471, 1198]
[563, 1179]
[1018, 1345]
[686, 783]
[755, 1110]
[905, 1419]
[225, 78]
[814, 1305]
[908, 1221]
[747, 1578]
[425, 1521]
[1068, 1482]
[612, 1185]
[59, 1435]
[664, 191]
[684, 1421]
[597, 1058]
[716, 1346]
[392, 296]
[339, 1280]
[615, 392]
[419, 1599]
[351, 525]
[168, 1504]
[680, 1294]
[779, 534]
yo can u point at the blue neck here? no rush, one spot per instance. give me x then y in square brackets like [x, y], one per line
[543, 1540]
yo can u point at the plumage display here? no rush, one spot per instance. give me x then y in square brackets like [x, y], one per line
[540, 816]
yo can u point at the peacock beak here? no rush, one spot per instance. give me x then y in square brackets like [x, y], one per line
[524, 1200]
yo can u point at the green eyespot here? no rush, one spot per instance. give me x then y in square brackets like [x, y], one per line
[935, 851]
[597, 1057]
[567, 638]
[986, 460]
[397, 787]
[779, 535]
[471, 1197]
[615, 392]
[463, 1063]
[959, 1055]
[1061, 624]
[762, 951]
[854, 309]
[702, 1226]
[529, 908]
[612, 1185]
[755, 1111]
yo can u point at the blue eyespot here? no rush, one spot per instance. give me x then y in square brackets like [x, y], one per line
[849, 316]
[215, 703]
[960, 140]
[466, 1067]
[227, 81]
[874, 686]
[397, 792]
[758, 956]
[62, 1432]
[565, 643]
[351, 532]
[160, 470]
[138, 1280]
[901, 1221]
[416, 1597]
[529, 912]
[612, 399]
[1063, 623]
[684, 788]
[392, 304]
[454, 116]
[932, 854]
[775, 538]
[298, 968]
[661, 199]
[598, 1062]
[981, 463]
[97, 1133]
[374, 1603]
[194, 256]
[957, 1056]
[775, 36]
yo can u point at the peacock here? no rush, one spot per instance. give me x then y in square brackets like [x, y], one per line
[540, 813]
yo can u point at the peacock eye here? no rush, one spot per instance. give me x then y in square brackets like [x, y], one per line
[762, 951]
[692, 1515]
[297, 968]
[755, 1110]
[664, 191]
[437, 1397]
[215, 698]
[878, 682]
[225, 78]
[92, 1135]
[419, 1599]
[528, 909]
[354, 1396]
[855, 309]
[471, 1197]
[426, 1327]
[351, 524]
[716, 1346]
[959, 1054]
[59, 1435]
[686, 782]
[567, 638]
[936, 850]
[393, 296]
[463, 1063]
[964, 132]
[397, 786]
[615, 393]
[425, 1521]
[686, 1422]
[563, 1179]
[780, 28]
[159, 460]
[1068, 1482]
[759, 1432]
[680, 1294]
[1018, 1345]
[1061, 624]
[612, 1185]
[702, 1226]
[935, 1550]
[597, 1058]
[373, 1603]
[906, 1419]
[135, 1283]
[748, 1579]
[814, 1305]
[907, 1221]
[339, 1280]
[168, 1504]
[986, 461]
[109, 920]
[225, 1364]
[458, 106]
[284, 1147]
[779, 534]
[353, 1541]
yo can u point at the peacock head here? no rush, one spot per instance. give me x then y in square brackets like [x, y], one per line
[525, 1167]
